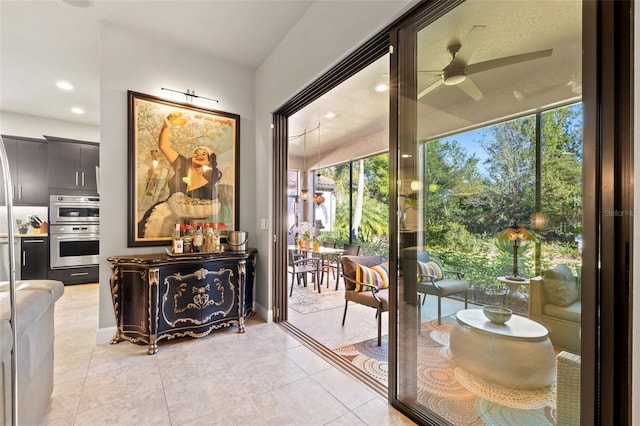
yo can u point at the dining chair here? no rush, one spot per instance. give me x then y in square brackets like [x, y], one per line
[300, 265]
[351, 249]
[326, 264]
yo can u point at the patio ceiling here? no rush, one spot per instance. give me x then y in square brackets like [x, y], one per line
[512, 27]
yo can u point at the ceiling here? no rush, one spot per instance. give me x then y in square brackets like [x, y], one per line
[46, 41]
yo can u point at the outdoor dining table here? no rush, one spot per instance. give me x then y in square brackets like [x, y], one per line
[324, 253]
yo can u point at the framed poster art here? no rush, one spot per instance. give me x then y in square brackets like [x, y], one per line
[183, 168]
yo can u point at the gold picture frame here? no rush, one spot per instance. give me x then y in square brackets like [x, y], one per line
[183, 167]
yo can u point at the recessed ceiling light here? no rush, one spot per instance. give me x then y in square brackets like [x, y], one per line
[77, 110]
[329, 115]
[79, 3]
[406, 155]
[382, 88]
[64, 85]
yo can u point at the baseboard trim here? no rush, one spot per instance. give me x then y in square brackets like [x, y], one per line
[263, 313]
[105, 334]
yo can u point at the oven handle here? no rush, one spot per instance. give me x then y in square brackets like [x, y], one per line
[76, 204]
[92, 237]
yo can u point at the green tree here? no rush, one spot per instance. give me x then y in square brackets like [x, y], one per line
[562, 172]
[340, 175]
[376, 169]
[510, 173]
[451, 179]
[371, 218]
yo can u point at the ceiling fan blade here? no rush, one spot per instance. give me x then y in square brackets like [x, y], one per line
[507, 60]
[470, 88]
[468, 46]
[430, 88]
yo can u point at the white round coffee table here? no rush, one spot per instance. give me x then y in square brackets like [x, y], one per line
[517, 354]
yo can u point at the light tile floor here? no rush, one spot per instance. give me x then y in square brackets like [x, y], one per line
[325, 325]
[261, 377]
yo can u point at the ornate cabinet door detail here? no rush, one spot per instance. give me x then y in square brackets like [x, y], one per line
[199, 297]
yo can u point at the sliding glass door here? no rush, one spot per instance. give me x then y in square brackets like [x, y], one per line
[489, 198]
[510, 189]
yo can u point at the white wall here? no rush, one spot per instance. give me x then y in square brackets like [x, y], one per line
[132, 62]
[325, 35]
[31, 126]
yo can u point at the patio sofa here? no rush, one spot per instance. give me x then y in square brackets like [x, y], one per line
[555, 302]
[35, 300]
[568, 389]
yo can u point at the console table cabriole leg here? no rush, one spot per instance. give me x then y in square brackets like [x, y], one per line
[242, 272]
[114, 283]
[153, 310]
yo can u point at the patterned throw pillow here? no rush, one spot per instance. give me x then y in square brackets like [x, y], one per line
[383, 270]
[377, 276]
[430, 268]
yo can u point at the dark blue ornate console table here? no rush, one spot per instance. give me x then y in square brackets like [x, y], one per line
[158, 296]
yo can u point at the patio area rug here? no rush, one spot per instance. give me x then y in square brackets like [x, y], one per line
[306, 300]
[450, 391]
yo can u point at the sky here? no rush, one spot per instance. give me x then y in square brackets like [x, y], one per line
[470, 141]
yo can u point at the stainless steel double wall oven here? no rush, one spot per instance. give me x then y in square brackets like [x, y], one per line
[74, 231]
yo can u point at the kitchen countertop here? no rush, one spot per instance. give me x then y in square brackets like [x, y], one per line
[19, 235]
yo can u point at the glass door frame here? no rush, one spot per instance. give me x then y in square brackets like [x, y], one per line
[608, 187]
[607, 182]
[363, 56]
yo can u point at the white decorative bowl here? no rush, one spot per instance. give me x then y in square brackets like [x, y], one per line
[497, 314]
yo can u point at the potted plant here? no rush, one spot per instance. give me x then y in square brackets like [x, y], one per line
[304, 229]
[23, 226]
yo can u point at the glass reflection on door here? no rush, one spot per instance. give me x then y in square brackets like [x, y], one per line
[490, 214]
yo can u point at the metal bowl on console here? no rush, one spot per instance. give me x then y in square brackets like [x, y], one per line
[497, 314]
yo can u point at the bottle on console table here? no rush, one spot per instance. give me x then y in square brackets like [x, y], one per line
[205, 239]
[188, 244]
[208, 239]
[177, 242]
[197, 240]
[188, 237]
[215, 239]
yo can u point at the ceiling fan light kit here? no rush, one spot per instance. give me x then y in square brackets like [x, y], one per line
[80, 3]
[454, 78]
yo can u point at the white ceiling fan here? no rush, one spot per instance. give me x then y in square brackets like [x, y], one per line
[458, 71]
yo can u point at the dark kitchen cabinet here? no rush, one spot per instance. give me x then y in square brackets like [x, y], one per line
[73, 166]
[81, 275]
[34, 258]
[28, 166]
